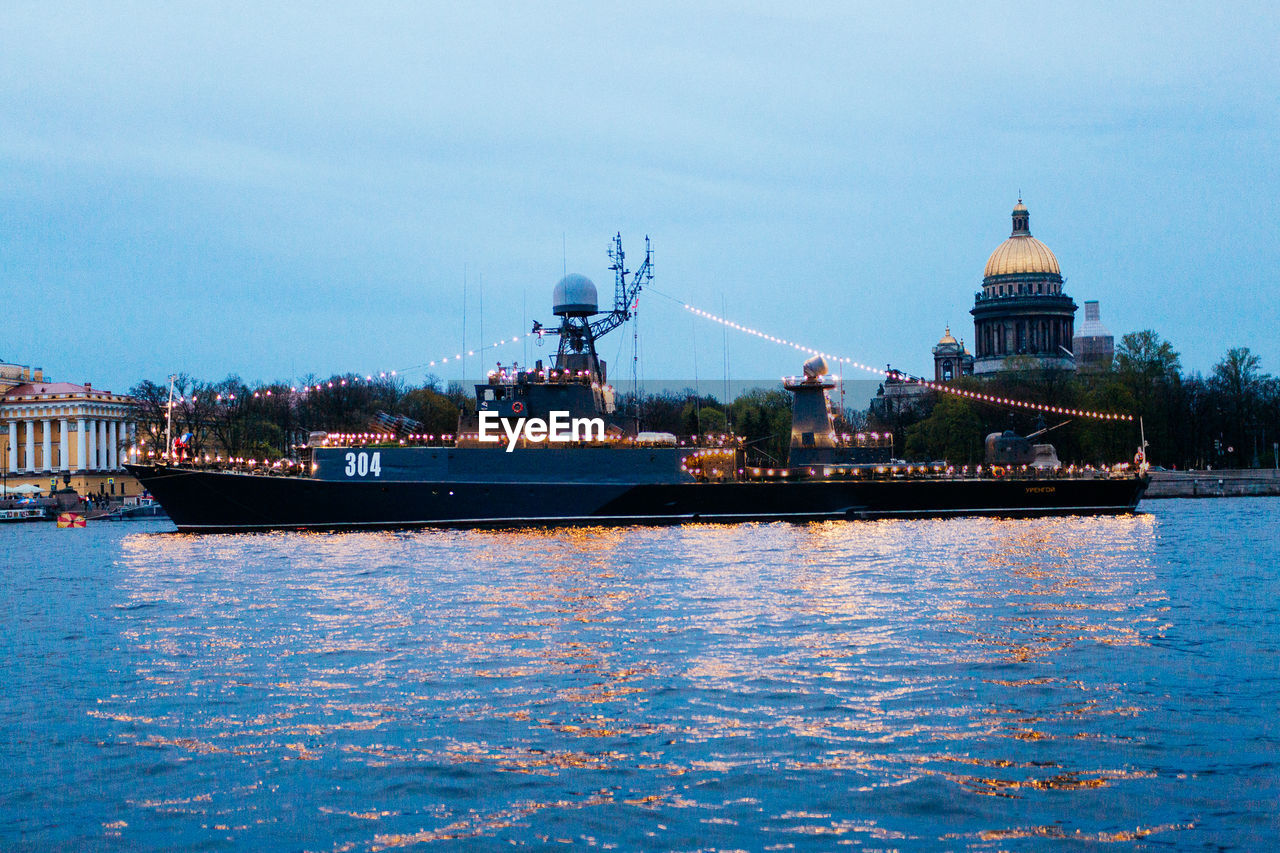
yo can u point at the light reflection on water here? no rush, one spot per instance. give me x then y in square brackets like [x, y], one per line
[972, 683]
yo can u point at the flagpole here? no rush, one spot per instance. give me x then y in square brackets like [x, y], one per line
[168, 431]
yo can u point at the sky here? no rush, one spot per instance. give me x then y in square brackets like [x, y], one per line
[311, 189]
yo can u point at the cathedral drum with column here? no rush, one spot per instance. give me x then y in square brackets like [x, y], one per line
[1021, 309]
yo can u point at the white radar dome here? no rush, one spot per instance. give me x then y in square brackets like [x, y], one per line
[574, 296]
[815, 367]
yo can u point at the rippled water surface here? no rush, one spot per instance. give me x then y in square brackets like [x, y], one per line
[968, 683]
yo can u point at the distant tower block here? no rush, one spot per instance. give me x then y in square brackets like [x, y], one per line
[1094, 346]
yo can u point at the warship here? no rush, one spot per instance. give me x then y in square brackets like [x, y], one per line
[548, 446]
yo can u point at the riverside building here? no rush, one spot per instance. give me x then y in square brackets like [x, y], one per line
[57, 434]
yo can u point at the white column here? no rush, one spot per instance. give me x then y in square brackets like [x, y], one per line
[102, 444]
[82, 452]
[113, 446]
[64, 446]
[91, 461]
[13, 447]
[31, 445]
[46, 462]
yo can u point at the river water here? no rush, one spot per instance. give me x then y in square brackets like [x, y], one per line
[959, 684]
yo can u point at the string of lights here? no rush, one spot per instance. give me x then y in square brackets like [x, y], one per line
[888, 374]
[459, 356]
[368, 378]
[916, 380]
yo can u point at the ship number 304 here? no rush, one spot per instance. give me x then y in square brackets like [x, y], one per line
[364, 464]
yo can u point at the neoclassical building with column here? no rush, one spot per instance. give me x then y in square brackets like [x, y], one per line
[59, 433]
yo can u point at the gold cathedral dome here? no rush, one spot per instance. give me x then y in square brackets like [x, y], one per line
[1021, 253]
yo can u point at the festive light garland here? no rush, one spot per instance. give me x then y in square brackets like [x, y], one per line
[355, 380]
[915, 380]
[458, 356]
[888, 374]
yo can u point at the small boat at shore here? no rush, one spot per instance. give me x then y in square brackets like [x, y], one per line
[21, 514]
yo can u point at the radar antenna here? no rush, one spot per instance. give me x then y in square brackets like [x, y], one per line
[577, 335]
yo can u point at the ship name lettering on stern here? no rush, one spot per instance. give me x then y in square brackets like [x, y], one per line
[558, 429]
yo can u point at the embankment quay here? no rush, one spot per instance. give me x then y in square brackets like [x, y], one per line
[1227, 483]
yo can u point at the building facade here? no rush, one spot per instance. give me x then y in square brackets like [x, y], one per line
[951, 359]
[57, 434]
[899, 397]
[1022, 309]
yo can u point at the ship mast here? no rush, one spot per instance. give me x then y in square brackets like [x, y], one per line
[624, 294]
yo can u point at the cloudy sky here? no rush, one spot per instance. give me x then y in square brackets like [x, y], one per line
[217, 189]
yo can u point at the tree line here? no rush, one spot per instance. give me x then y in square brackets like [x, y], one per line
[232, 418]
[1230, 418]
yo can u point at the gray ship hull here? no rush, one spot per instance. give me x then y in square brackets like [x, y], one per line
[212, 501]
